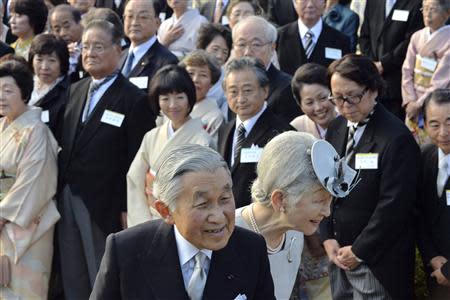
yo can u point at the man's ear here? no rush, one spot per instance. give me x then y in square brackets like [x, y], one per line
[164, 211]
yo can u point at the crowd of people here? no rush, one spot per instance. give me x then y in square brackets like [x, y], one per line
[224, 149]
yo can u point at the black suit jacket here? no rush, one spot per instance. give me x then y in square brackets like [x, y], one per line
[243, 174]
[95, 157]
[142, 263]
[112, 5]
[154, 59]
[5, 49]
[434, 231]
[385, 40]
[291, 54]
[208, 8]
[54, 102]
[280, 98]
[281, 12]
[377, 217]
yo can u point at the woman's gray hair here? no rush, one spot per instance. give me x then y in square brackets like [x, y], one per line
[285, 164]
[176, 162]
[247, 63]
[270, 31]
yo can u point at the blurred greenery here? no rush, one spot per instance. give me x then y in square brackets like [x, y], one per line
[420, 281]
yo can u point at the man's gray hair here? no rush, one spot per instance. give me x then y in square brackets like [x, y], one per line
[247, 63]
[285, 164]
[270, 31]
[178, 161]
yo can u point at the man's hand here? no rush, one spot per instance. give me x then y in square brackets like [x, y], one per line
[74, 50]
[437, 262]
[412, 109]
[173, 34]
[346, 257]
[440, 278]
[332, 248]
[379, 67]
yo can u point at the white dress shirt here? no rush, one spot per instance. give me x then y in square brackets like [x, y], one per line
[316, 30]
[99, 94]
[140, 50]
[358, 133]
[441, 159]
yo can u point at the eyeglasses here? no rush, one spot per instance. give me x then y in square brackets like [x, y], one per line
[253, 46]
[97, 48]
[246, 92]
[351, 99]
[432, 9]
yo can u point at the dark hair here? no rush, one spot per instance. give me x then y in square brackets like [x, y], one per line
[360, 69]
[200, 58]
[310, 73]
[105, 14]
[157, 6]
[247, 63]
[171, 79]
[35, 10]
[115, 32]
[21, 74]
[438, 96]
[208, 31]
[47, 43]
[256, 7]
[76, 15]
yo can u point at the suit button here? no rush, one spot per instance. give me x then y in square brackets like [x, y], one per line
[334, 221]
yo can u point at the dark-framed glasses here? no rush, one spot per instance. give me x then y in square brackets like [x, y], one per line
[351, 99]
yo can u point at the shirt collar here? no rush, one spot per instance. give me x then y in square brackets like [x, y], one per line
[141, 49]
[186, 250]
[249, 123]
[316, 29]
[442, 157]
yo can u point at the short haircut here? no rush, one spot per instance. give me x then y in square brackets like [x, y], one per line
[106, 26]
[359, 69]
[105, 14]
[270, 32]
[155, 4]
[76, 15]
[35, 10]
[438, 97]
[178, 161]
[247, 63]
[286, 165]
[200, 58]
[209, 31]
[256, 7]
[21, 74]
[47, 43]
[171, 79]
[310, 73]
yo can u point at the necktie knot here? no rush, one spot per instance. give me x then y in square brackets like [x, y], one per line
[198, 278]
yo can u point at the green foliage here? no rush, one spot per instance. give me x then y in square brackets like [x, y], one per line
[420, 280]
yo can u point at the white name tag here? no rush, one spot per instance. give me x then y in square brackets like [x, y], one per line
[225, 20]
[428, 63]
[368, 161]
[45, 116]
[112, 118]
[140, 82]
[333, 53]
[400, 15]
[251, 155]
[447, 192]
[162, 16]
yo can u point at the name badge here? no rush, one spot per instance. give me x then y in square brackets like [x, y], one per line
[112, 118]
[447, 192]
[162, 16]
[400, 15]
[366, 161]
[428, 63]
[333, 53]
[251, 155]
[45, 116]
[140, 82]
[225, 21]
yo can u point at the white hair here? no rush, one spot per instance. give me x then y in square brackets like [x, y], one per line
[285, 164]
[270, 30]
[176, 162]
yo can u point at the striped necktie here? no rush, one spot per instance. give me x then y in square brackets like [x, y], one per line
[239, 141]
[349, 149]
[309, 43]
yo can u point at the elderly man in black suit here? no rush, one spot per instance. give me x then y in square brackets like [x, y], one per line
[309, 39]
[145, 55]
[435, 194]
[369, 237]
[255, 37]
[385, 34]
[195, 252]
[241, 140]
[104, 122]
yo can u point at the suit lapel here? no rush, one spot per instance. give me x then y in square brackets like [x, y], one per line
[387, 21]
[226, 143]
[144, 61]
[123, 58]
[296, 49]
[53, 92]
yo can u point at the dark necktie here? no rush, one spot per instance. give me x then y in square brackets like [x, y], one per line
[239, 141]
[128, 65]
[349, 149]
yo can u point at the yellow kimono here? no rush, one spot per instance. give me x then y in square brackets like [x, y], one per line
[27, 186]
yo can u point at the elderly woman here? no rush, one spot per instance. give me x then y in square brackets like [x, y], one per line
[172, 92]
[49, 59]
[204, 71]
[288, 198]
[239, 9]
[27, 185]
[28, 18]
[310, 88]
[179, 32]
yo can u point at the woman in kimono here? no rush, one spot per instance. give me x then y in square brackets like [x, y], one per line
[205, 72]
[427, 63]
[49, 59]
[28, 175]
[171, 92]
